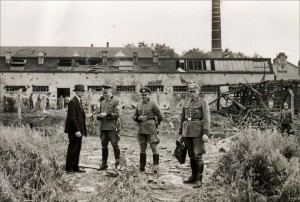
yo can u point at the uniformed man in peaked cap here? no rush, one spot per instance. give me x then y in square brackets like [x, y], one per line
[109, 127]
[148, 116]
[194, 128]
[286, 119]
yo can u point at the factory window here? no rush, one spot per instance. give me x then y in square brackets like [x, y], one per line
[210, 89]
[81, 61]
[95, 62]
[18, 62]
[180, 89]
[125, 88]
[197, 65]
[38, 89]
[15, 88]
[212, 65]
[156, 88]
[95, 88]
[65, 62]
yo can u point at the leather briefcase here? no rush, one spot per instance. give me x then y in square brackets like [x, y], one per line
[180, 151]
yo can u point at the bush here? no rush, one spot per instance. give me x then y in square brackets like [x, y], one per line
[261, 164]
[30, 164]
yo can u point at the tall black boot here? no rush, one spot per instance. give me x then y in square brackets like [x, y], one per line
[143, 158]
[200, 168]
[155, 163]
[104, 159]
[117, 158]
[192, 179]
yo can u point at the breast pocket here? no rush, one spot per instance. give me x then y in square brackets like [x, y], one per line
[197, 113]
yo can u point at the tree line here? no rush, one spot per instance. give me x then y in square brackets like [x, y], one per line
[164, 50]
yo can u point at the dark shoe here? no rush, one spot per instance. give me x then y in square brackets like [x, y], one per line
[103, 167]
[70, 171]
[198, 184]
[155, 165]
[155, 159]
[200, 169]
[143, 158]
[104, 160]
[192, 179]
[80, 171]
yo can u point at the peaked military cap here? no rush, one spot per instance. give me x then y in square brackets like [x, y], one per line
[145, 90]
[106, 88]
[79, 87]
[193, 86]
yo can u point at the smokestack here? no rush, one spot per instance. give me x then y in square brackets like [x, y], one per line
[216, 43]
[107, 44]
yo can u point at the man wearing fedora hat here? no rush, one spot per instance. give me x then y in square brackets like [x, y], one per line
[76, 128]
[148, 116]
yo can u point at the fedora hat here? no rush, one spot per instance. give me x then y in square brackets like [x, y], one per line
[79, 87]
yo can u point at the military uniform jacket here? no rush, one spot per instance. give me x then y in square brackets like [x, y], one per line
[154, 117]
[195, 118]
[286, 116]
[75, 118]
[112, 108]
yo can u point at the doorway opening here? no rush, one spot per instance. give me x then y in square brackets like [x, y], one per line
[65, 92]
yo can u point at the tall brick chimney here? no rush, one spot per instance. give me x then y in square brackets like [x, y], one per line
[216, 42]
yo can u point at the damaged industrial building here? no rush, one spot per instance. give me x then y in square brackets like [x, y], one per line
[53, 71]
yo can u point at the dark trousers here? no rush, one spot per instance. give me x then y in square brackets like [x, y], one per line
[195, 147]
[113, 137]
[287, 127]
[73, 152]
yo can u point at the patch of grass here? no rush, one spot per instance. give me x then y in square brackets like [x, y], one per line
[30, 164]
[261, 164]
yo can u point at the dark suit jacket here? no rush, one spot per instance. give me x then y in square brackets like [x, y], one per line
[75, 118]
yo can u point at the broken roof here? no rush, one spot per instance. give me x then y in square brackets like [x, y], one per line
[33, 51]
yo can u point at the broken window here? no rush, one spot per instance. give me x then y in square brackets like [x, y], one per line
[95, 88]
[65, 62]
[209, 89]
[156, 88]
[95, 62]
[81, 61]
[197, 65]
[18, 62]
[212, 65]
[39, 89]
[125, 88]
[15, 88]
[180, 89]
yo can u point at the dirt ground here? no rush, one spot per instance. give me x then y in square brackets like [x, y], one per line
[167, 187]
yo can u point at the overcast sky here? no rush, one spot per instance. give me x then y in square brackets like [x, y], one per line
[265, 27]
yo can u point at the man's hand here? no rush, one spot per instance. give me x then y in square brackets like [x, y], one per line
[142, 118]
[78, 134]
[102, 115]
[204, 138]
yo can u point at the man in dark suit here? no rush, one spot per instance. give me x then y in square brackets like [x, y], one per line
[75, 127]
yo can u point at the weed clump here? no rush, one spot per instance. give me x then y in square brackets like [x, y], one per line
[30, 165]
[261, 164]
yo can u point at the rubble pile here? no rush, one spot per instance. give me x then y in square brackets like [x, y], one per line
[257, 105]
